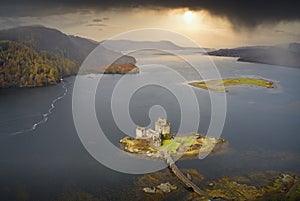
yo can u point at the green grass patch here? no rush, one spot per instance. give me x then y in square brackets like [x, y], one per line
[173, 145]
[186, 140]
[170, 145]
[165, 143]
[220, 85]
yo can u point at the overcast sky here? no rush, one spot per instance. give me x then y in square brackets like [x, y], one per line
[212, 23]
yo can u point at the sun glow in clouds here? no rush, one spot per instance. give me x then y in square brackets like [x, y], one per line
[186, 21]
[189, 16]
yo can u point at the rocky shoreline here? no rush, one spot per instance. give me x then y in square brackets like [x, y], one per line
[180, 146]
[256, 186]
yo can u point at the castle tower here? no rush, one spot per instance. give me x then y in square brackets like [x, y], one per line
[154, 137]
[140, 132]
[162, 126]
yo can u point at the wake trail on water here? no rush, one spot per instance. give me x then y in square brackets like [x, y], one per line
[45, 115]
[20, 117]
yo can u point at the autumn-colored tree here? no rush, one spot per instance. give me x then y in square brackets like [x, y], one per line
[23, 66]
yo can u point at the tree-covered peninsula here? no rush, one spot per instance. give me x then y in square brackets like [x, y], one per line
[38, 56]
[23, 66]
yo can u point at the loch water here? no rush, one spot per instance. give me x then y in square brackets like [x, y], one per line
[262, 128]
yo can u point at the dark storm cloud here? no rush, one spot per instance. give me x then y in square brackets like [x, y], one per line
[246, 13]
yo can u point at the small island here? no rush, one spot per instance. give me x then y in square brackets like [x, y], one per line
[120, 68]
[161, 144]
[221, 85]
[154, 143]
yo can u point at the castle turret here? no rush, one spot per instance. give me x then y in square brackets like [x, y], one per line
[140, 132]
[162, 126]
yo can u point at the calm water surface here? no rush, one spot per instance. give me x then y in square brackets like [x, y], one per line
[262, 129]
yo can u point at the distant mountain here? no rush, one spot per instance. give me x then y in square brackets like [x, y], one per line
[46, 39]
[283, 55]
[51, 40]
[53, 43]
[125, 45]
[22, 66]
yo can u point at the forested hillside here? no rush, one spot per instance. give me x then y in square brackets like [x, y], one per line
[51, 40]
[37, 56]
[22, 66]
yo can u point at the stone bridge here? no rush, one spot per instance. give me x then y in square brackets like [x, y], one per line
[188, 183]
